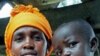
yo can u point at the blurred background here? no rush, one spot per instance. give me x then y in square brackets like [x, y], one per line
[56, 11]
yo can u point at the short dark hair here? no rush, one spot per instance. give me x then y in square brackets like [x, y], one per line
[81, 27]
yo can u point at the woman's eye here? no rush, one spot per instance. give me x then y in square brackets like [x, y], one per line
[72, 44]
[18, 39]
[37, 38]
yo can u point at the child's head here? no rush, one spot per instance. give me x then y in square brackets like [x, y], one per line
[75, 38]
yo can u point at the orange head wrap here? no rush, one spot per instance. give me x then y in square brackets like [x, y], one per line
[25, 15]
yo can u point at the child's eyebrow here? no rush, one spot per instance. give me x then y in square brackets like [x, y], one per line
[70, 39]
[66, 40]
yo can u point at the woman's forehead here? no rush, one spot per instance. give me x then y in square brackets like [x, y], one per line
[26, 28]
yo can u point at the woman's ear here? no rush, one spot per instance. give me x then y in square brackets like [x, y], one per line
[47, 52]
[94, 44]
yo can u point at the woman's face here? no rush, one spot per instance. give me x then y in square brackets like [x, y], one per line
[28, 41]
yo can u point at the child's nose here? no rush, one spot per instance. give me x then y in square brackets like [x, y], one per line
[66, 52]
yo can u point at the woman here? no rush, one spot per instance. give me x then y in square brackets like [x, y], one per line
[28, 33]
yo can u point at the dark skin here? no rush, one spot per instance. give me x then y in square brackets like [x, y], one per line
[69, 40]
[29, 41]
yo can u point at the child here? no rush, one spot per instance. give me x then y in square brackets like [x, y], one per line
[75, 38]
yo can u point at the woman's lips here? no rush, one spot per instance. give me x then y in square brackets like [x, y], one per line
[29, 53]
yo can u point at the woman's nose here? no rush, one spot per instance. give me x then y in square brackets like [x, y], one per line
[29, 43]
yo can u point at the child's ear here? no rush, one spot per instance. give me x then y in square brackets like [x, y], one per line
[94, 44]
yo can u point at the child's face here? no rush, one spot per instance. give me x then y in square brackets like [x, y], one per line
[70, 45]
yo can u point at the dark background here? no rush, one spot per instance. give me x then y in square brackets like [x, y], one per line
[89, 10]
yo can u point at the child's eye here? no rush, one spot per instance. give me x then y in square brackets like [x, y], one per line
[72, 44]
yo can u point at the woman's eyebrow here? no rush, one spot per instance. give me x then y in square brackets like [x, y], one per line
[35, 32]
[20, 33]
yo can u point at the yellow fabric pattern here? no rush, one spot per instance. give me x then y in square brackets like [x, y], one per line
[25, 16]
